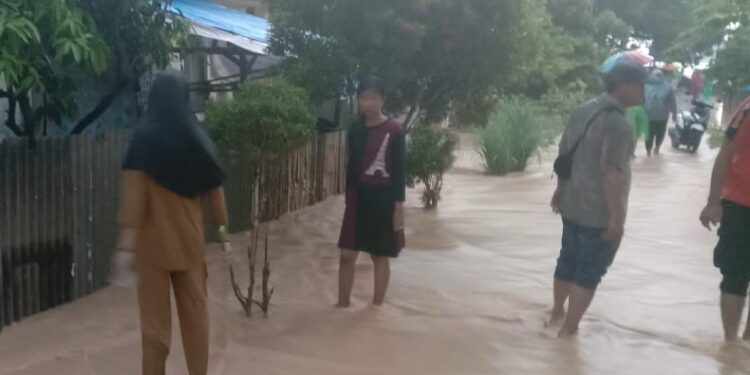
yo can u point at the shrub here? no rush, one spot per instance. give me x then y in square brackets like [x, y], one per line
[264, 120]
[514, 133]
[429, 156]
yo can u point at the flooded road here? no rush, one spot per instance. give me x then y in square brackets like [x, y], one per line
[469, 295]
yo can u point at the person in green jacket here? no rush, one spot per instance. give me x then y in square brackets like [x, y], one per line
[638, 119]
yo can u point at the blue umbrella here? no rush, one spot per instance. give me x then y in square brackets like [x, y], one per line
[635, 56]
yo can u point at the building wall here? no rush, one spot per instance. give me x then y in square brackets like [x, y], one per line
[250, 6]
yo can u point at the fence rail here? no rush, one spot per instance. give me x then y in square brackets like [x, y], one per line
[59, 198]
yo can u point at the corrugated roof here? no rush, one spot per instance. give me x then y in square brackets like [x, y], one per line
[217, 16]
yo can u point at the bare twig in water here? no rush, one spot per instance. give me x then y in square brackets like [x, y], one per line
[247, 301]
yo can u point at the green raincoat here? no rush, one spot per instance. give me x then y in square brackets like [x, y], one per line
[638, 119]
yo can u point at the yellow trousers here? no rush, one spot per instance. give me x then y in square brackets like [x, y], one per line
[156, 317]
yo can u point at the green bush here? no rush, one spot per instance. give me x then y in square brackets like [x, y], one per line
[264, 120]
[429, 156]
[514, 133]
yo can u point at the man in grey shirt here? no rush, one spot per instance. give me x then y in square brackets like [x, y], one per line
[593, 200]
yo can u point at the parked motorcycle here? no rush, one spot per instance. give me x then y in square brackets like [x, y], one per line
[690, 126]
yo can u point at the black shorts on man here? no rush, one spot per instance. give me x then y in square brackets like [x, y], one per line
[732, 254]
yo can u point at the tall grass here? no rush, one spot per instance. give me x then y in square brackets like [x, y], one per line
[514, 133]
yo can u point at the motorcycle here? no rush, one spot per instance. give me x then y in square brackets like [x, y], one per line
[690, 126]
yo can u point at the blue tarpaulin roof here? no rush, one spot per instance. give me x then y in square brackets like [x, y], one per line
[218, 16]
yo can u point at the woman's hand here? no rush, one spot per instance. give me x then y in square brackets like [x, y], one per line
[398, 217]
[122, 269]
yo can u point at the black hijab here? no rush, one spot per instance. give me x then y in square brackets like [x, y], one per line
[171, 146]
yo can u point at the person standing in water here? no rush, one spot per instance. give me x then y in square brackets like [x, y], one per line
[593, 200]
[171, 170]
[729, 204]
[661, 101]
[375, 190]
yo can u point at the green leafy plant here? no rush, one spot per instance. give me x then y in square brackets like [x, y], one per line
[429, 156]
[264, 120]
[514, 133]
[56, 48]
[40, 40]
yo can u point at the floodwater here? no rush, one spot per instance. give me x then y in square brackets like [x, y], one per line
[469, 295]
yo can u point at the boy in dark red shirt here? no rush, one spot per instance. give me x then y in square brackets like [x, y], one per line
[729, 204]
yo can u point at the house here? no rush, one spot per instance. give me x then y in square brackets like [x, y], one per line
[228, 47]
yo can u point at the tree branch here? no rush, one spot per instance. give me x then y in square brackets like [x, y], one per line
[29, 122]
[414, 109]
[11, 121]
[100, 108]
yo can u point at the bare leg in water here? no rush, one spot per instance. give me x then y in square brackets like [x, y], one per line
[346, 276]
[561, 294]
[382, 278]
[746, 335]
[579, 301]
[731, 314]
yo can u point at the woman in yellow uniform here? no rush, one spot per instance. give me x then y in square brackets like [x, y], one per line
[170, 172]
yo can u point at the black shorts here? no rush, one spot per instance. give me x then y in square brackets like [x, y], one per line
[732, 254]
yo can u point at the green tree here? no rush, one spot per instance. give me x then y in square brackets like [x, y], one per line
[263, 120]
[578, 38]
[659, 21]
[434, 54]
[55, 47]
[141, 34]
[723, 27]
[40, 40]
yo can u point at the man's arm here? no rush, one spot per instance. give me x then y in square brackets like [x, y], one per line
[711, 214]
[616, 153]
[562, 148]
[555, 204]
[613, 187]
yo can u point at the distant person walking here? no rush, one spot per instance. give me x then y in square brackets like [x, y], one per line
[375, 191]
[661, 102]
[699, 81]
[593, 199]
[170, 172]
[638, 119]
[729, 204]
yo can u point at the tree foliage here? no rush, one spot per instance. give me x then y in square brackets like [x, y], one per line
[40, 41]
[658, 21]
[54, 47]
[141, 35]
[721, 26]
[263, 120]
[434, 54]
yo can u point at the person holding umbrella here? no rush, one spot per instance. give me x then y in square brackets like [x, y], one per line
[661, 102]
